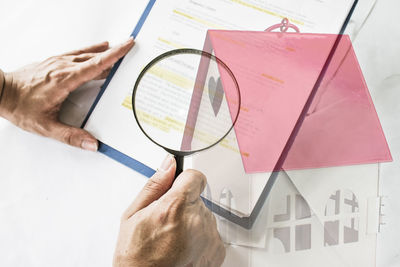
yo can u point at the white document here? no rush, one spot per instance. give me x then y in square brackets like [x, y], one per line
[183, 23]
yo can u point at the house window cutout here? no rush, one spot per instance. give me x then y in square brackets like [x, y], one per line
[284, 216]
[294, 230]
[295, 236]
[343, 206]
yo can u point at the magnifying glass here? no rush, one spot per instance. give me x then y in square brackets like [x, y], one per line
[186, 101]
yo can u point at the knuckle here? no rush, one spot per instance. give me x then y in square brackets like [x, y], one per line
[67, 136]
[99, 62]
[164, 216]
[183, 196]
[173, 208]
[153, 185]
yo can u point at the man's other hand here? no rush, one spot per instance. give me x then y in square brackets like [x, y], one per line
[32, 96]
[169, 225]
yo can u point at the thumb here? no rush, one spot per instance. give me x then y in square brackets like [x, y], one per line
[156, 187]
[73, 136]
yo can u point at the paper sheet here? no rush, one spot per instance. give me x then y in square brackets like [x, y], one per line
[184, 23]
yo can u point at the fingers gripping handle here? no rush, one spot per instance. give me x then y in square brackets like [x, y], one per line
[179, 165]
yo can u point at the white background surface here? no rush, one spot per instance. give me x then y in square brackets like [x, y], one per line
[60, 206]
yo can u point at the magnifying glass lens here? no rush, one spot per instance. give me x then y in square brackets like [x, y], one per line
[186, 100]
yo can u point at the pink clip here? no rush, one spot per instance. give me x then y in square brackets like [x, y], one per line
[283, 26]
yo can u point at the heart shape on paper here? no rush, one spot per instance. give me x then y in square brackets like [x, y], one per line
[216, 94]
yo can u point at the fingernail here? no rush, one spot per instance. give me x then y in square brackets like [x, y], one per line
[89, 145]
[167, 163]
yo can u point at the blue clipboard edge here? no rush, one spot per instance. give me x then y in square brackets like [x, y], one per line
[114, 69]
[245, 222]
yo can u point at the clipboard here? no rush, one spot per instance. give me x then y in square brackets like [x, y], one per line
[245, 222]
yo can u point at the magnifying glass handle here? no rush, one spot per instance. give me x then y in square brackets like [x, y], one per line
[179, 165]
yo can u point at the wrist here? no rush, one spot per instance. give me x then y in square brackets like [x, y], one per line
[6, 81]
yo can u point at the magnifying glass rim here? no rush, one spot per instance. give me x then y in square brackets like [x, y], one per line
[169, 54]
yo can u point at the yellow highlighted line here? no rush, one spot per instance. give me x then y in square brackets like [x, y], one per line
[161, 124]
[207, 23]
[127, 102]
[266, 11]
[171, 77]
[170, 43]
[168, 124]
